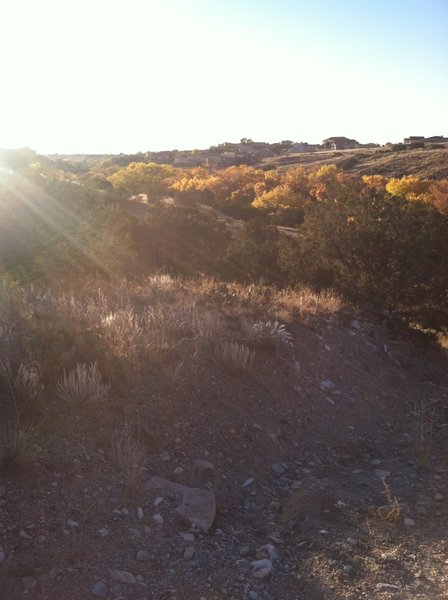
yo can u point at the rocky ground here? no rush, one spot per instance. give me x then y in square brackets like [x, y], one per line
[319, 475]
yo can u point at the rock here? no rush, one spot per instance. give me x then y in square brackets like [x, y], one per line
[327, 385]
[203, 465]
[122, 576]
[388, 557]
[140, 513]
[197, 507]
[189, 553]
[24, 535]
[244, 550]
[104, 532]
[409, 522]
[278, 468]
[261, 568]
[348, 569]
[143, 555]
[375, 462]
[248, 482]
[438, 497]
[99, 589]
[274, 506]
[253, 595]
[71, 524]
[381, 473]
[386, 587]
[178, 471]
[268, 551]
[187, 537]
[2, 555]
[355, 324]
[164, 456]
[157, 518]
[29, 583]
[158, 501]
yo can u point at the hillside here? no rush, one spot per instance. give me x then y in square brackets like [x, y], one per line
[425, 163]
[320, 450]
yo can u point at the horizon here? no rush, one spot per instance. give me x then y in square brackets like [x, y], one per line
[179, 74]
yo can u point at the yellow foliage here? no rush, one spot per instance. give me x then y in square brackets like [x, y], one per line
[143, 178]
[410, 187]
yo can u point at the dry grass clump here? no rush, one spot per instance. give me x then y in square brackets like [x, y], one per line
[28, 381]
[234, 356]
[128, 453]
[122, 335]
[271, 334]
[18, 442]
[306, 301]
[83, 385]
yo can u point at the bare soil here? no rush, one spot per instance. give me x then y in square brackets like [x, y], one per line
[354, 420]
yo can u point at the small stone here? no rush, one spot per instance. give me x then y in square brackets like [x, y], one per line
[244, 550]
[99, 589]
[164, 456]
[248, 482]
[29, 583]
[327, 385]
[253, 595]
[375, 462]
[203, 465]
[274, 506]
[143, 555]
[158, 501]
[76, 466]
[341, 504]
[388, 556]
[71, 524]
[348, 569]
[381, 473]
[438, 497]
[355, 324]
[278, 468]
[409, 522]
[387, 587]
[24, 535]
[157, 518]
[351, 541]
[189, 553]
[323, 532]
[178, 471]
[140, 513]
[125, 512]
[122, 576]
[104, 532]
[268, 551]
[261, 568]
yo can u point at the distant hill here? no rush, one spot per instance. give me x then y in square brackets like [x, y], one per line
[427, 163]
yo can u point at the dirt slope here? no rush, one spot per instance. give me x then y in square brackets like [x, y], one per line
[426, 163]
[313, 466]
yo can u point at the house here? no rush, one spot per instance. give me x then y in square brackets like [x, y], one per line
[414, 139]
[339, 143]
[436, 139]
[302, 147]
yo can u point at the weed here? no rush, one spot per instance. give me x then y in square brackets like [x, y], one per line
[18, 442]
[28, 381]
[83, 385]
[128, 453]
[235, 357]
[271, 334]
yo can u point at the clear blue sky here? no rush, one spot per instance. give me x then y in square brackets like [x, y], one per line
[127, 75]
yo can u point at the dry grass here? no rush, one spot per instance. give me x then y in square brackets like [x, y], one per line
[128, 453]
[18, 442]
[83, 385]
[235, 357]
[271, 334]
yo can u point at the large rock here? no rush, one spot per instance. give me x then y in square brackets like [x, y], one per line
[197, 507]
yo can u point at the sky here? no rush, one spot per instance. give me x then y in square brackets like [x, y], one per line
[110, 76]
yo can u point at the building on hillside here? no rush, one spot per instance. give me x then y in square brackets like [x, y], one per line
[303, 147]
[339, 143]
[436, 139]
[414, 139]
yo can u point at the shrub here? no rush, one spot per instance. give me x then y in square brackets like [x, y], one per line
[272, 334]
[128, 453]
[83, 385]
[235, 357]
